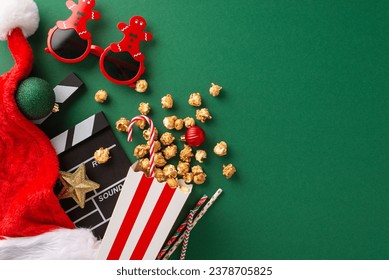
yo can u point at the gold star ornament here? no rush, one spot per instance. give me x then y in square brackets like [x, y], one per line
[76, 185]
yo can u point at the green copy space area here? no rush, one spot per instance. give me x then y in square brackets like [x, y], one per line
[304, 110]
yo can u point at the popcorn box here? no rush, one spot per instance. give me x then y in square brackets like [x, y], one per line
[142, 219]
[144, 213]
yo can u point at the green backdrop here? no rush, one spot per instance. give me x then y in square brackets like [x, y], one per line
[304, 109]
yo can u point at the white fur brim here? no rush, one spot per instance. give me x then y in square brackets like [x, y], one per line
[18, 13]
[61, 244]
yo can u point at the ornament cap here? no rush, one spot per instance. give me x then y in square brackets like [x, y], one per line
[55, 108]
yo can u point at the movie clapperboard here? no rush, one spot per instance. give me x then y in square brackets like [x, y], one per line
[63, 91]
[76, 146]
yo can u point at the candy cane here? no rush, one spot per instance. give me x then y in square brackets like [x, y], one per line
[152, 137]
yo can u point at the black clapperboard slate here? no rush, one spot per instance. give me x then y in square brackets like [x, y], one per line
[77, 145]
[63, 91]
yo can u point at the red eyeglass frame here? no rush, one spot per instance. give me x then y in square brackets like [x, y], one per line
[133, 34]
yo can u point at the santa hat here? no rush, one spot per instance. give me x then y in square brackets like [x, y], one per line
[32, 223]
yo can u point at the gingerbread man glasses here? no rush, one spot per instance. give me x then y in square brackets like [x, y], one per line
[69, 41]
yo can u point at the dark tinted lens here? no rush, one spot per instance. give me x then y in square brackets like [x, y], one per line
[121, 66]
[67, 44]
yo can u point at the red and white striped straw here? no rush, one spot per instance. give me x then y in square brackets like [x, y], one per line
[152, 138]
[182, 227]
[195, 221]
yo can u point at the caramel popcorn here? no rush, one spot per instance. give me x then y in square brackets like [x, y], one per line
[189, 122]
[146, 134]
[101, 96]
[167, 138]
[170, 151]
[158, 174]
[122, 124]
[170, 171]
[144, 108]
[186, 153]
[197, 169]
[141, 150]
[172, 182]
[200, 155]
[159, 160]
[220, 148]
[228, 170]
[203, 115]
[188, 177]
[183, 168]
[167, 101]
[141, 123]
[184, 189]
[144, 165]
[157, 145]
[195, 99]
[215, 89]
[179, 124]
[101, 155]
[200, 178]
[141, 86]
[169, 122]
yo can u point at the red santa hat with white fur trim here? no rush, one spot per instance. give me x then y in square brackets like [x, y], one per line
[32, 223]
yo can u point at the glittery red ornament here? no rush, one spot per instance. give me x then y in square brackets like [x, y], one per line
[194, 136]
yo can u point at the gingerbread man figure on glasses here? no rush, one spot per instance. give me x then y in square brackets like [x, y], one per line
[133, 34]
[81, 13]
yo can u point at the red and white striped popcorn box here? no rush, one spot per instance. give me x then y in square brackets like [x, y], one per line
[144, 214]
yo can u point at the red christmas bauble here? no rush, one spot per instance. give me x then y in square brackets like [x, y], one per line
[194, 136]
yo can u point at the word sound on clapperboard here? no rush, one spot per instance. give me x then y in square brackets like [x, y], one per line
[76, 146]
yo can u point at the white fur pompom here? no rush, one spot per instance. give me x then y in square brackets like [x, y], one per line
[18, 13]
[61, 244]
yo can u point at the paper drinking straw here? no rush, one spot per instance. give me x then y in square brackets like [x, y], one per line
[186, 236]
[181, 228]
[152, 136]
[198, 217]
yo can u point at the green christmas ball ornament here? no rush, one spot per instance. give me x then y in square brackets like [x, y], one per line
[35, 98]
